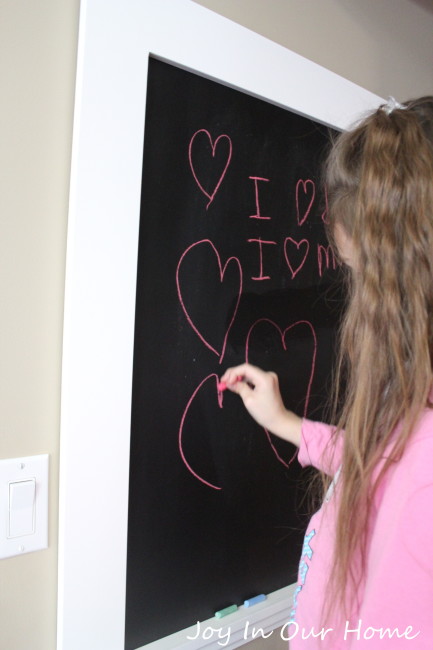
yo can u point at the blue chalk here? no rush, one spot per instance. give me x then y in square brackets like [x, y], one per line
[253, 601]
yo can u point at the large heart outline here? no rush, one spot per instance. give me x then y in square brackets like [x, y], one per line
[180, 434]
[293, 271]
[312, 370]
[213, 147]
[304, 185]
[222, 270]
[220, 395]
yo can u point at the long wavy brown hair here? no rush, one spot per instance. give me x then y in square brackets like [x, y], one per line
[379, 178]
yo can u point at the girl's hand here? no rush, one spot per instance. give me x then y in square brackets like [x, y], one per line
[261, 395]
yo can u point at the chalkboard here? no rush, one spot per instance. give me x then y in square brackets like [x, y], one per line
[233, 265]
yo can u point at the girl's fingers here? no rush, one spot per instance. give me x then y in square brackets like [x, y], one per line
[244, 373]
[242, 389]
[261, 396]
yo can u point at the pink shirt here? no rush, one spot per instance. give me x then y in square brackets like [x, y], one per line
[396, 601]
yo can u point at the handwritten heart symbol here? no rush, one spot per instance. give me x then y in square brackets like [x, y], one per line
[283, 334]
[309, 192]
[181, 428]
[234, 305]
[304, 242]
[213, 146]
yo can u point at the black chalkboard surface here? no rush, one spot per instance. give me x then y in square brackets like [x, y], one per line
[233, 264]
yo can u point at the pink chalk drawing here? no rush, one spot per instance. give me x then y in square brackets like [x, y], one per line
[308, 194]
[294, 270]
[258, 214]
[260, 242]
[202, 138]
[234, 261]
[182, 423]
[325, 253]
[325, 211]
[312, 368]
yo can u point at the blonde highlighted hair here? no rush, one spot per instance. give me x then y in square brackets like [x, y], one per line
[379, 178]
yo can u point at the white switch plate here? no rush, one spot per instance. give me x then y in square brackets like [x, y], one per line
[13, 470]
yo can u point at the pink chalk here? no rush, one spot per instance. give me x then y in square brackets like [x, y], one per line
[222, 386]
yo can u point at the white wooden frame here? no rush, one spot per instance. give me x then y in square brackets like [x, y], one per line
[116, 37]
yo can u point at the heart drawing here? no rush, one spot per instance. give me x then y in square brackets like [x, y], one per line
[282, 335]
[305, 194]
[202, 143]
[182, 423]
[230, 296]
[213, 377]
[297, 244]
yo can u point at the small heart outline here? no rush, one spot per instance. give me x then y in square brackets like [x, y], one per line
[297, 244]
[213, 146]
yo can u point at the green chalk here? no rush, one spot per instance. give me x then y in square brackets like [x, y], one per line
[225, 611]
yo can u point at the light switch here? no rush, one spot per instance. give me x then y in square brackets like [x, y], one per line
[23, 505]
[22, 508]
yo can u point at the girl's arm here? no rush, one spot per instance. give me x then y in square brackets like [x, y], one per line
[261, 395]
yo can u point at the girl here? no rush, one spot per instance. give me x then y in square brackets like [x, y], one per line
[366, 571]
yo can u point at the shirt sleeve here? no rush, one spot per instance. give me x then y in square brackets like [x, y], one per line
[319, 448]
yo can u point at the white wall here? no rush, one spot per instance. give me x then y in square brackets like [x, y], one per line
[383, 45]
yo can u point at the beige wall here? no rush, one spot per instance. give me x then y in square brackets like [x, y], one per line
[38, 41]
[383, 45]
